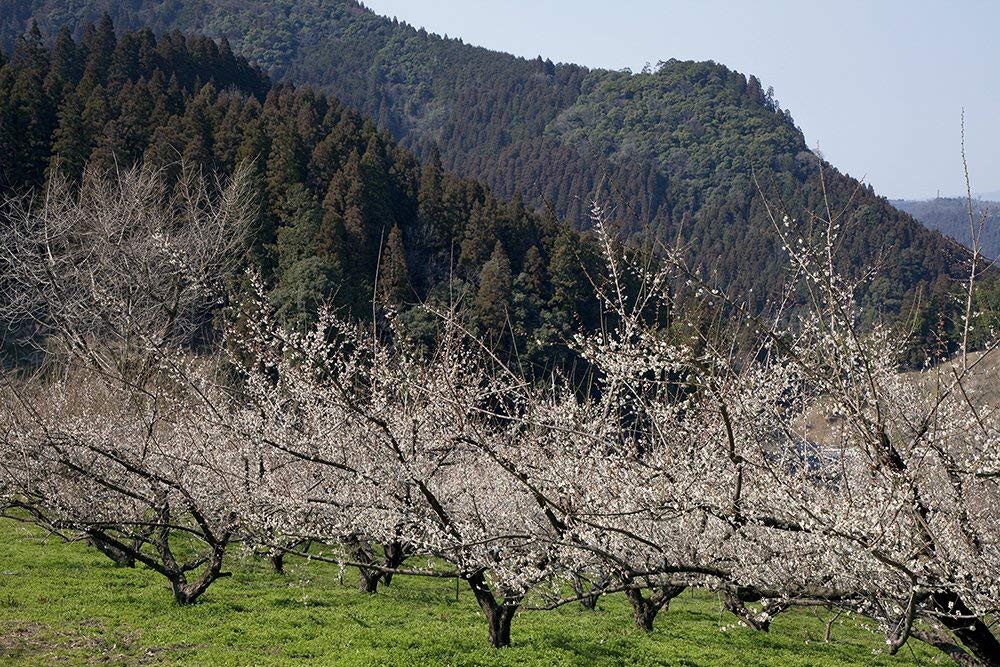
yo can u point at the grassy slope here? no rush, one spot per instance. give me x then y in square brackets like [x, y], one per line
[66, 604]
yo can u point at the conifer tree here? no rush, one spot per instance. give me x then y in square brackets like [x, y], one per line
[125, 64]
[307, 286]
[479, 238]
[327, 158]
[493, 299]
[32, 113]
[128, 134]
[30, 54]
[285, 165]
[228, 134]
[568, 286]
[99, 41]
[298, 229]
[430, 196]
[382, 213]
[65, 68]
[529, 295]
[394, 275]
[71, 141]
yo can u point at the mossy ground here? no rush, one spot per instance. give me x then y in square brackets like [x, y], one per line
[66, 604]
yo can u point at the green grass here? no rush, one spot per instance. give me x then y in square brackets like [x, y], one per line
[66, 604]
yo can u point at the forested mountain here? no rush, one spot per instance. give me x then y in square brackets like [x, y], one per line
[341, 202]
[681, 152]
[950, 216]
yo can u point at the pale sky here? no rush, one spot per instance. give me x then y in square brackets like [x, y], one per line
[878, 86]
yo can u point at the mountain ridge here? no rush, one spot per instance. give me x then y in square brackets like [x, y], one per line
[688, 152]
[950, 216]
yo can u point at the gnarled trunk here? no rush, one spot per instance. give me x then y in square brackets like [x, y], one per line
[368, 577]
[395, 554]
[977, 639]
[368, 580]
[499, 620]
[277, 561]
[187, 592]
[644, 610]
[588, 599]
[277, 557]
[734, 601]
[498, 614]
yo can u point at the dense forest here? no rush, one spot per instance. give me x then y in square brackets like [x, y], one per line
[950, 216]
[346, 214]
[682, 151]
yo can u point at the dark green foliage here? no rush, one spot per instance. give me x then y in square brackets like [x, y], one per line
[101, 101]
[306, 286]
[935, 317]
[71, 140]
[530, 292]
[346, 215]
[394, 274]
[27, 116]
[679, 151]
[493, 300]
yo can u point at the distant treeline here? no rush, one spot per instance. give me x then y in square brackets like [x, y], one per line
[950, 216]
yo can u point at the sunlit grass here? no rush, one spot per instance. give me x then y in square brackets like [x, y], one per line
[66, 604]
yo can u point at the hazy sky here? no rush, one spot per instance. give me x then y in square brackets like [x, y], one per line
[878, 86]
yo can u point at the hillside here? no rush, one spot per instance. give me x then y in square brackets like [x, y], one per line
[340, 201]
[675, 150]
[950, 216]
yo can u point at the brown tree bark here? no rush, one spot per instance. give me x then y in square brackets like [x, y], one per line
[395, 554]
[735, 601]
[588, 598]
[498, 614]
[644, 610]
[277, 561]
[977, 639]
[120, 557]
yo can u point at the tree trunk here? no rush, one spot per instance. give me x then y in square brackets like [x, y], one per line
[498, 614]
[368, 580]
[500, 620]
[589, 602]
[644, 610]
[187, 592]
[734, 601]
[278, 562]
[395, 554]
[936, 636]
[588, 599]
[976, 637]
[277, 557]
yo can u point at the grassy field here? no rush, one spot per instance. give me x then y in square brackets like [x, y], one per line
[65, 604]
